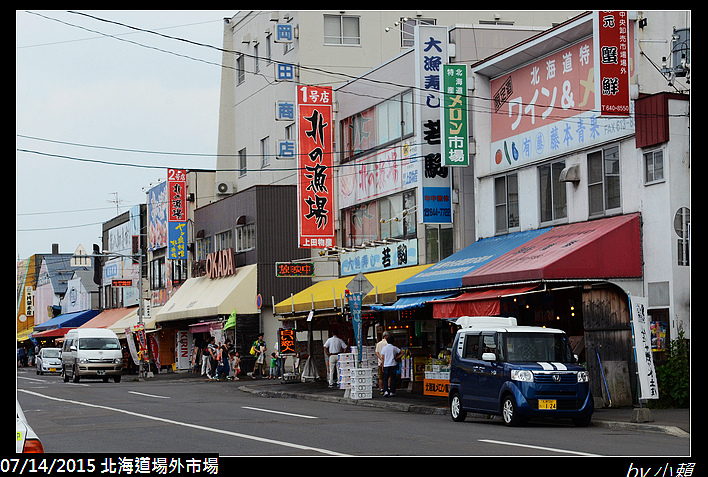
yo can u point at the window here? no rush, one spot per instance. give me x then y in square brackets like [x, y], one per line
[203, 247]
[269, 49]
[240, 69]
[384, 123]
[438, 242]
[653, 166]
[245, 237]
[682, 226]
[157, 273]
[256, 60]
[265, 152]
[552, 192]
[341, 30]
[506, 203]
[471, 350]
[179, 272]
[223, 241]
[604, 180]
[242, 164]
[407, 28]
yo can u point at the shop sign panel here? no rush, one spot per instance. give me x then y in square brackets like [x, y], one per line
[550, 107]
[431, 48]
[453, 116]
[315, 173]
[611, 34]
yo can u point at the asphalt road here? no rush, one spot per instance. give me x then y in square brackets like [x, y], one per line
[196, 417]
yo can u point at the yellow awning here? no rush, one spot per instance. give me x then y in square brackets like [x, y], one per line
[202, 297]
[24, 334]
[327, 294]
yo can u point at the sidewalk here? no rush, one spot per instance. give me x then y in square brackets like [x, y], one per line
[674, 422]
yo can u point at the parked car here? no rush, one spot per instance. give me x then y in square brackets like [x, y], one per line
[518, 372]
[48, 360]
[27, 440]
[91, 353]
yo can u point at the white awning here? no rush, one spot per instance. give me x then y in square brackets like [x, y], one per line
[202, 297]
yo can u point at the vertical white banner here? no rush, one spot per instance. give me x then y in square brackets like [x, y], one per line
[648, 385]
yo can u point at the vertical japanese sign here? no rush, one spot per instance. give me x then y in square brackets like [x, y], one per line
[315, 181]
[453, 116]
[286, 341]
[430, 55]
[648, 385]
[611, 35]
[176, 214]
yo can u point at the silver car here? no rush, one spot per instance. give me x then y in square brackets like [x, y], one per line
[48, 360]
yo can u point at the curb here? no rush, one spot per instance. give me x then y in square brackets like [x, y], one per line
[441, 411]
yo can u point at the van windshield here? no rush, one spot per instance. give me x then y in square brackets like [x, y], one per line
[533, 347]
[99, 343]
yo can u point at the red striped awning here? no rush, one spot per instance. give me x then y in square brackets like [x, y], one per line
[485, 302]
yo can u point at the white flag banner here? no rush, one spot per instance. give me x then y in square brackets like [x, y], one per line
[648, 385]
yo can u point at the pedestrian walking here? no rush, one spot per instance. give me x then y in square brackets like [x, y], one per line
[391, 354]
[212, 351]
[333, 346]
[205, 358]
[234, 365]
[223, 358]
[260, 347]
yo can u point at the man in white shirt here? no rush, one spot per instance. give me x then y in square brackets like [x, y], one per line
[333, 346]
[391, 353]
[379, 347]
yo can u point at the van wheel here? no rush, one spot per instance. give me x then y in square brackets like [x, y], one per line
[64, 375]
[510, 413]
[116, 379]
[582, 422]
[456, 412]
[74, 375]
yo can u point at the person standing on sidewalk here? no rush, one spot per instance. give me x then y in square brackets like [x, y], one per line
[391, 354]
[379, 347]
[260, 346]
[333, 346]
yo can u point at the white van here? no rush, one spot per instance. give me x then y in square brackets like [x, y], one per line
[91, 353]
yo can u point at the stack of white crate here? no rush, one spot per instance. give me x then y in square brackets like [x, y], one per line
[358, 380]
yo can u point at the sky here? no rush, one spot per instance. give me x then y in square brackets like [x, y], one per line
[102, 110]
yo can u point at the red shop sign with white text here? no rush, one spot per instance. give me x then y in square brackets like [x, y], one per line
[315, 180]
[613, 62]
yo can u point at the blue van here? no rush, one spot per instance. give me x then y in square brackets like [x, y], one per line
[518, 372]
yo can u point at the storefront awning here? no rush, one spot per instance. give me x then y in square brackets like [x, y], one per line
[205, 326]
[203, 297]
[597, 249]
[130, 320]
[447, 274]
[477, 303]
[409, 302]
[327, 294]
[67, 320]
[107, 318]
[53, 333]
[24, 334]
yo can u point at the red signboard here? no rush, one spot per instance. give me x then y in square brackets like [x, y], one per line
[177, 185]
[315, 174]
[612, 34]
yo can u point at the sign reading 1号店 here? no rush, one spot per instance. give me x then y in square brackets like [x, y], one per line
[453, 116]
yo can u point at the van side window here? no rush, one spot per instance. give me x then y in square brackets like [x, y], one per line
[471, 347]
[489, 344]
[67, 345]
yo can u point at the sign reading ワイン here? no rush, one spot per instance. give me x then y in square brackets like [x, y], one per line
[315, 180]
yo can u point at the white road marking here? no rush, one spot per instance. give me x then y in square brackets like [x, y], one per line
[193, 426]
[149, 395]
[279, 412]
[550, 449]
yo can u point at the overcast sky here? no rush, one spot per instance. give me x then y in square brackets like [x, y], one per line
[83, 97]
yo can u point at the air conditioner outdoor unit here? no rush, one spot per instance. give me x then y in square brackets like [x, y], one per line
[225, 188]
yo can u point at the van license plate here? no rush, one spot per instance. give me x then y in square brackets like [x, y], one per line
[547, 404]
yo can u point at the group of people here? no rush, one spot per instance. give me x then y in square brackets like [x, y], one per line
[220, 362]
